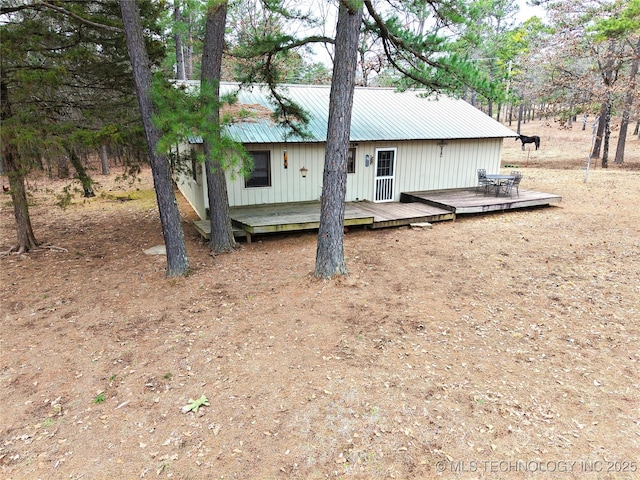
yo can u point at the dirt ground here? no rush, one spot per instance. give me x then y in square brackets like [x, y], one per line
[496, 346]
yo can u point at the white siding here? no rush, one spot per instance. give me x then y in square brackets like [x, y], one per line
[287, 184]
[194, 190]
[419, 166]
[360, 184]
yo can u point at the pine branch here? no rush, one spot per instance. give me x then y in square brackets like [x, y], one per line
[8, 10]
[398, 50]
[79, 18]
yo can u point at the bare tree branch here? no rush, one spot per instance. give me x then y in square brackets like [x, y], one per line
[79, 18]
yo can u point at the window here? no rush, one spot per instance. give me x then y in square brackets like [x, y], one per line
[195, 165]
[351, 161]
[261, 173]
[385, 163]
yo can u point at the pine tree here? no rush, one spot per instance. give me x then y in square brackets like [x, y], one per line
[61, 74]
[222, 239]
[625, 26]
[330, 251]
[177, 261]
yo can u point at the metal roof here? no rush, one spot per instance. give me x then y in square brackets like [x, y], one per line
[379, 114]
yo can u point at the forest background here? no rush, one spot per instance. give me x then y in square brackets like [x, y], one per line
[67, 83]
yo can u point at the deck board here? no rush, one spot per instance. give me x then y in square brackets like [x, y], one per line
[306, 215]
[414, 207]
[288, 217]
[394, 214]
[204, 228]
[468, 201]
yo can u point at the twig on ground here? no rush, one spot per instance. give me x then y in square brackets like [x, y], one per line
[53, 248]
[8, 252]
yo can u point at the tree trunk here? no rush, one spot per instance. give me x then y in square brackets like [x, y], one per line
[62, 167]
[221, 229]
[177, 261]
[188, 49]
[81, 172]
[520, 111]
[608, 79]
[104, 160]
[85, 158]
[26, 239]
[628, 103]
[491, 77]
[177, 18]
[607, 135]
[330, 251]
[597, 144]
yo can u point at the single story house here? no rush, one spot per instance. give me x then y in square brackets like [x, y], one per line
[400, 142]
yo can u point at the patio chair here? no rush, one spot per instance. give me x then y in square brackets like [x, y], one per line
[515, 183]
[483, 181]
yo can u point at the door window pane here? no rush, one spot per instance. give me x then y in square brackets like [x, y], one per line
[385, 163]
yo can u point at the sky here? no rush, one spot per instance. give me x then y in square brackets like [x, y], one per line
[526, 12]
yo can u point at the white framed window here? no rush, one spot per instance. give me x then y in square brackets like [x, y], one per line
[261, 173]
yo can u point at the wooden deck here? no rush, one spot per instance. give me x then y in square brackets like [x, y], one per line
[415, 207]
[466, 201]
[399, 214]
[289, 217]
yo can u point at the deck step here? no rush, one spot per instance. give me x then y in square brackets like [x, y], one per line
[204, 228]
[421, 225]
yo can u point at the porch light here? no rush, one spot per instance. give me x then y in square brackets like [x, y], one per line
[303, 172]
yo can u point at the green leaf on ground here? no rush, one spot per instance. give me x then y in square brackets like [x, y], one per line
[194, 405]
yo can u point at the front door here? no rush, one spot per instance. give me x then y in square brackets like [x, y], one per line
[385, 173]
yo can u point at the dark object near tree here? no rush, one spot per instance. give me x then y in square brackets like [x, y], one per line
[524, 139]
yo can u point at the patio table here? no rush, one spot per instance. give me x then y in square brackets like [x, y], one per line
[499, 180]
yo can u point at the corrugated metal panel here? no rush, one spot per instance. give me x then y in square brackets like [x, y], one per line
[378, 114]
